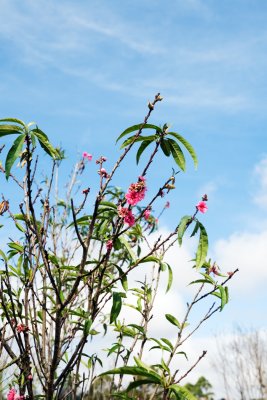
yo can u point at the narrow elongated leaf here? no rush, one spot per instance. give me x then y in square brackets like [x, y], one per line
[135, 128]
[187, 145]
[123, 278]
[138, 139]
[135, 384]
[202, 249]
[128, 248]
[14, 153]
[134, 371]
[15, 120]
[87, 326]
[45, 144]
[141, 149]
[173, 320]
[116, 307]
[224, 296]
[177, 154]
[195, 229]
[168, 343]
[164, 144]
[181, 393]
[150, 259]
[182, 227]
[10, 130]
[141, 364]
[170, 278]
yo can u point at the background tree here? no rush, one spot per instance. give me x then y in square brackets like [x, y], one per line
[241, 363]
[201, 389]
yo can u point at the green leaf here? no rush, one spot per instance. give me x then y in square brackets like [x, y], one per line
[173, 320]
[10, 130]
[87, 326]
[177, 154]
[170, 278]
[135, 371]
[45, 144]
[181, 393]
[15, 120]
[137, 127]
[164, 144]
[123, 278]
[202, 249]
[168, 343]
[108, 204]
[141, 364]
[138, 139]
[81, 221]
[128, 248]
[116, 307]
[187, 145]
[142, 147]
[224, 296]
[183, 224]
[14, 153]
[195, 229]
[150, 259]
[140, 382]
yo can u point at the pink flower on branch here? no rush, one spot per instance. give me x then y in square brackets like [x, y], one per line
[147, 214]
[103, 173]
[11, 394]
[87, 156]
[22, 328]
[127, 215]
[202, 207]
[136, 191]
[167, 205]
[109, 244]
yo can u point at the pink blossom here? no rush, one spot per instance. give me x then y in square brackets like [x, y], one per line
[214, 269]
[109, 244]
[202, 206]
[136, 191]
[22, 328]
[167, 205]
[127, 215]
[103, 173]
[147, 214]
[30, 377]
[11, 394]
[87, 155]
[129, 219]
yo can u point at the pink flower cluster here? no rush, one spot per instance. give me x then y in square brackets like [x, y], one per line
[12, 395]
[87, 156]
[127, 215]
[136, 191]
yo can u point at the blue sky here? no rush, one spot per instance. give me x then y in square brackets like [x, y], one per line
[84, 71]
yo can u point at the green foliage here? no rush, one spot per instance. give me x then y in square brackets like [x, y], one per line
[201, 389]
[66, 275]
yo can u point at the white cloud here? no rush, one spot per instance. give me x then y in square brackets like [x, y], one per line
[248, 252]
[260, 173]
